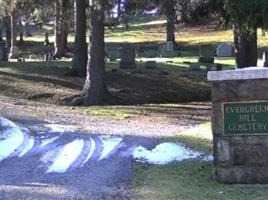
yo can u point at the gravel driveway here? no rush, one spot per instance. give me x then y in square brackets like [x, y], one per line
[66, 155]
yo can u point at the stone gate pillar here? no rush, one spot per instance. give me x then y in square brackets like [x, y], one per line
[240, 125]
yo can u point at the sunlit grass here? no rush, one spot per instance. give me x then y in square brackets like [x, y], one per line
[114, 112]
[190, 180]
[38, 37]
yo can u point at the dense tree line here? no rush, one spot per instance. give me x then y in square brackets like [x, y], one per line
[88, 61]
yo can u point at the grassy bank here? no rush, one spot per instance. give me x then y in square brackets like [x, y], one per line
[192, 179]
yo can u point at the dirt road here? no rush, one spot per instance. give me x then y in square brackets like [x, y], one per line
[62, 154]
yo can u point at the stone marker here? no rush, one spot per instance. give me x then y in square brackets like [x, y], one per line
[148, 51]
[206, 54]
[194, 67]
[168, 50]
[219, 67]
[150, 64]
[240, 125]
[113, 55]
[265, 59]
[225, 50]
[128, 55]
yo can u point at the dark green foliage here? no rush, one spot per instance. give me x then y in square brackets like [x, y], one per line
[247, 13]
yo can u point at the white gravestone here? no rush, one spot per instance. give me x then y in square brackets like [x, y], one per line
[225, 50]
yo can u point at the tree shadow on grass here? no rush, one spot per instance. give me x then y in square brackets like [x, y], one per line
[42, 79]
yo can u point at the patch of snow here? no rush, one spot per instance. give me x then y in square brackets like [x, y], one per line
[109, 146]
[59, 128]
[208, 158]
[68, 155]
[48, 141]
[164, 154]
[91, 151]
[12, 138]
[28, 147]
[5, 122]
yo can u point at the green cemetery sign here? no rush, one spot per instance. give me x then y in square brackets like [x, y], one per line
[245, 118]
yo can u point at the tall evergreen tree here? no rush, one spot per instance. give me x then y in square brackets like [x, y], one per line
[61, 27]
[80, 46]
[246, 17]
[95, 90]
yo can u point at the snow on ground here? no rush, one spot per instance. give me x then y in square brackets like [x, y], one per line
[48, 141]
[68, 155]
[60, 128]
[109, 146]
[78, 151]
[28, 147]
[164, 153]
[11, 138]
[91, 151]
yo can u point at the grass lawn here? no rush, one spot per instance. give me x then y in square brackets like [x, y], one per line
[46, 82]
[190, 180]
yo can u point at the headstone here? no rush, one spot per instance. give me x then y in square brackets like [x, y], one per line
[128, 56]
[169, 46]
[194, 66]
[206, 60]
[21, 60]
[240, 126]
[150, 64]
[167, 50]
[113, 55]
[265, 59]
[219, 67]
[148, 51]
[48, 56]
[206, 54]
[225, 50]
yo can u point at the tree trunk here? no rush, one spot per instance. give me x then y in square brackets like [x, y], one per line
[13, 54]
[184, 10]
[95, 90]
[75, 15]
[57, 32]
[1, 35]
[246, 50]
[170, 15]
[62, 28]
[80, 50]
[65, 25]
[119, 2]
[27, 30]
[7, 25]
[1, 30]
